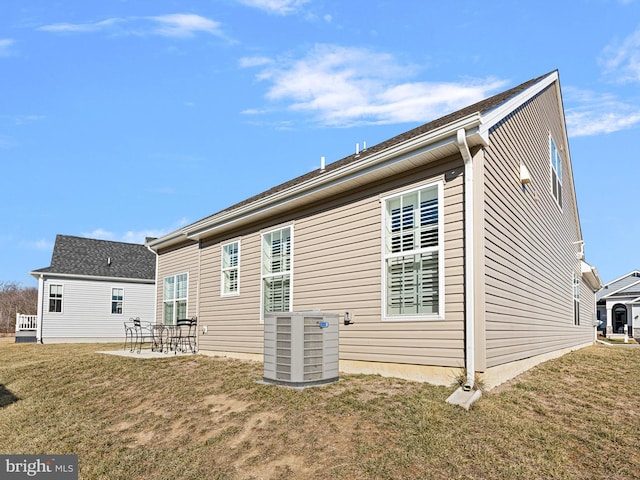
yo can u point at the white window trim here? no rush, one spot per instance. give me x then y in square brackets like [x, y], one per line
[223, 269]
[111, 303]
[49, 299]
[291, 269]
[558, 200]
[441, 294]
[174, 299]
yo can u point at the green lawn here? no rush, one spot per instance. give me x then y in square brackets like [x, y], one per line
[197, 417]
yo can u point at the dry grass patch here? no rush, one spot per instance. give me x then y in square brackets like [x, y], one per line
[197, 417]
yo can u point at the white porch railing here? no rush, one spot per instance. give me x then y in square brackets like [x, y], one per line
[26, 322]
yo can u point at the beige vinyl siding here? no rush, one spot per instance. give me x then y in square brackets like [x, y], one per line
[233, 321]
[337, 267]
[530, 256]
[174, 262]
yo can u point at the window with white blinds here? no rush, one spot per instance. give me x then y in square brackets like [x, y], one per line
[413, 253]
[174, 295]
[276, 270]
[556, 171]
[231, 269]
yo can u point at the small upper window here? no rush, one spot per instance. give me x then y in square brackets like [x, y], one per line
[117, 298]
[231, 268]
[556, 171]
[55, 298]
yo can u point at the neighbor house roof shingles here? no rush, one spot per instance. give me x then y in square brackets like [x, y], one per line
[89, 257]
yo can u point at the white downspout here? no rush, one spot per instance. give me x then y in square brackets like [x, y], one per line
[155, 297]
[469, 286]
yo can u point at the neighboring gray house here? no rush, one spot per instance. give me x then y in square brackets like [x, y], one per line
[91, 288]
[619, 305]
[454, 245]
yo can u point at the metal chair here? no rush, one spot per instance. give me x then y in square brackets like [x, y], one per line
[184, 335]
[142, 332]
[129, 334]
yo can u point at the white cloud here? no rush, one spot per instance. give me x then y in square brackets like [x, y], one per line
[247, 62]
[172, 25]
[82, 27]
[5, 46]
[279, 7]
[6, 142]
[342, 86]
[134, 236]
[621, 60]
[185, 25]
[589, 113]
[41, 244]
[24, 119]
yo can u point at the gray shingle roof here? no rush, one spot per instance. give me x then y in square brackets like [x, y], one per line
[90, 257]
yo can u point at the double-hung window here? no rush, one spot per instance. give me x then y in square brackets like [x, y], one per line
[413, 254]
[230, 269]
[55, 298]
[277, 262]
[174, 295]
[556, 171]
[117, 300]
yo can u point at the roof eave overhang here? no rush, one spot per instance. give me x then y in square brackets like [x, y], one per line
[435, 144]
[590, 274]
[440, 142]
[38, 275]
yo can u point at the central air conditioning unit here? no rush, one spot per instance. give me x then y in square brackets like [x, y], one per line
[301, 348]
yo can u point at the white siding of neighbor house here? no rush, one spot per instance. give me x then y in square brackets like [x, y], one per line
[337, 267]
[86, 309]
[529, 241]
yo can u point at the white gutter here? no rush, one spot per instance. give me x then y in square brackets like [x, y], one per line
[395, 154]
[469, 285]
[89, 277]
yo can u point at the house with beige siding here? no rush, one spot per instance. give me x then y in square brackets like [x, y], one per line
[455, 245]
[90, 289]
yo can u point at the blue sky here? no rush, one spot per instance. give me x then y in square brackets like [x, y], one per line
[121, 119]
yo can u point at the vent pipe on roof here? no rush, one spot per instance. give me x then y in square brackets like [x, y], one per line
[322, 164]
[357, 149]
[109, 261]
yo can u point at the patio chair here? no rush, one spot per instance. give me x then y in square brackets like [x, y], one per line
[129, 335]
[161, 336]
[185, 335]
[142, 332]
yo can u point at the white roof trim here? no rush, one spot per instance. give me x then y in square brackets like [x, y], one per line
[476, 126]
[623, 276]
[590, 274]
[620, 289]
[91, 277]
[501, 111]
[397, 153]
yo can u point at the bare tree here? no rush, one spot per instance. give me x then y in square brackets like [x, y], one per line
[15, 298]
